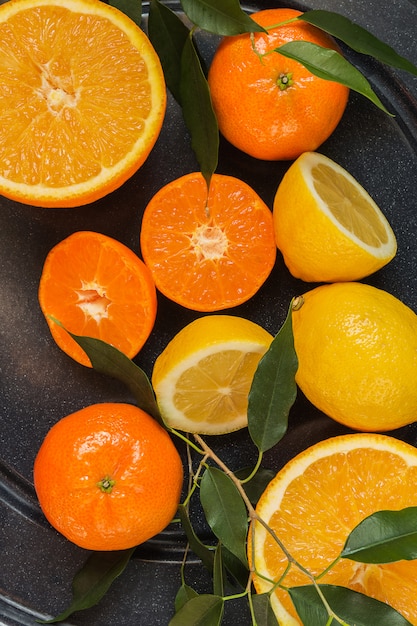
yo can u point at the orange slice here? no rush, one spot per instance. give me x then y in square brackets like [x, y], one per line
[82, 100]
[316, 500]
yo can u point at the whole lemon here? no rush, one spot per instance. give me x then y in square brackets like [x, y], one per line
[357, 352]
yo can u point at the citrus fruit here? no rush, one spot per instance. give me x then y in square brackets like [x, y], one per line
[108, 477]
[208, 253]
[267, 105]
[357, 355]
[327, 226]
[203, 376]
[316, 500]
[97, 287]
[82, 100]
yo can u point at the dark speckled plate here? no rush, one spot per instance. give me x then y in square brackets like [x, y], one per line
[39, 384]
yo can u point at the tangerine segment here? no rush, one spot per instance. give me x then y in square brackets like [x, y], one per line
[96, 286]
[315, 501]
[82, 100]
[108, 477]
[212, 252]
[267, 105]
[327, 226]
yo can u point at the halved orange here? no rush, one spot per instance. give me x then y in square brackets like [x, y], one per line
[97, 287]
[313, 504]
[82, 100]
[211, 251]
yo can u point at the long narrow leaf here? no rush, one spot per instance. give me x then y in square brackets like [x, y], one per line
[93, 580]
[330, 65]
[222, 17]
[384, 537]
[351, 606]
[357, 38]
[199, 549]
[168, 34]
[198, 111]
[108, 360]
[273, 389]
[225, 511]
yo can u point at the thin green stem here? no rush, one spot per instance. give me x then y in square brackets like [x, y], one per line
[180, 435]
[255, 469]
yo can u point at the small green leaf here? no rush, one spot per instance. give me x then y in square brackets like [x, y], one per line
[255, 487]
[218, 571]
[131, 8]
[357, 38]
[198, 111]
[108, 360]
[384, 537]
[273, 389]
[225, 511]
[168, 34]
[204, 610]
[330, 65]
[222, 17]
[351, 606]
[93, 580]
[263, 611]
[205, 554]
[184, 593]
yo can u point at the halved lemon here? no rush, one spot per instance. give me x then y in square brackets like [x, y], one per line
[203, 376]
[327, 226]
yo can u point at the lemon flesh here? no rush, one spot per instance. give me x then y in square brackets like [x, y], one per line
[327, 227]
[203, 376]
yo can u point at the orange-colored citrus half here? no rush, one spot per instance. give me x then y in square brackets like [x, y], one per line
[97, 287]
[313, 504]
[82, 100]
[108, 477]
[268, 105]
[208, 251]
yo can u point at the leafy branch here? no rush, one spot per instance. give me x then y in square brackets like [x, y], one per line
[229, 502]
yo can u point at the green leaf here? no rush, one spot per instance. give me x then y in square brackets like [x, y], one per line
[255, 487]
[273, 389]
[204, 610]
[108, 360]
[198, 111]
[384, 537]
[263, 611]
[330, 65]
[235, 569]
[93, 580]
[351, 606]
[184, 593]
[225, 511]
[132, 8]
[358, 38]
[205, 554]
[218, 571]
[168, 34]
[222, 17]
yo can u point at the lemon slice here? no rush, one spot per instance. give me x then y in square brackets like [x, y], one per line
[327, 227]
[203, 376]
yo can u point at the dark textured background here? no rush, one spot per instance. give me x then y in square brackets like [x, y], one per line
[39, 384]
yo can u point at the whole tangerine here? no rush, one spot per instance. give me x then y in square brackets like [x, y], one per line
[269, 106]
[108, 477]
